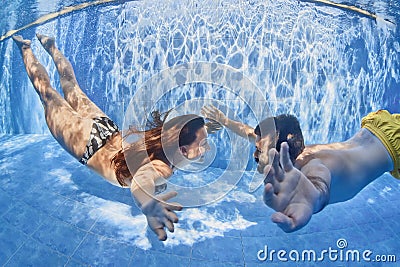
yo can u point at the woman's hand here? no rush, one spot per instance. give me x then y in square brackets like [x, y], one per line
[160, 214]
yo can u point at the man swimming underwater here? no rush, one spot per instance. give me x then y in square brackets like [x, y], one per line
[301, 180]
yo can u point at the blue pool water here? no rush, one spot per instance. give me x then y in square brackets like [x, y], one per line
[328, 66]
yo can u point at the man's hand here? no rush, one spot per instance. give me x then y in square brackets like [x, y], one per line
[160, 214]
[213, 126]
[212, 113]
[288, 191]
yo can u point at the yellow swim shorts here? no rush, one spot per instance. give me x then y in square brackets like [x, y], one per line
[386, 127]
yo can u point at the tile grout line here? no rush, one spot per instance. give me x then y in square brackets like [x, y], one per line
[80, 243]
[190, 255]
[76, 248]
[15, 252]
[31, 234]
[241, 242]
[132, 257]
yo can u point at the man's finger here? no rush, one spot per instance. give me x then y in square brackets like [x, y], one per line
[267, 169]
[301, 215]
[274, 158]
[212, 107]
[283, 221]
[286, 163]
[271, 156]
[269, 178]
[268, 195]
[205, 111]
[277, 187]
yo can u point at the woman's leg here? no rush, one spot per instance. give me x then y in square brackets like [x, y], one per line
[66, 125]
[73, 94]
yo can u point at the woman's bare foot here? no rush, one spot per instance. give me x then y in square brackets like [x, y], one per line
[21, 43]
[47, 42]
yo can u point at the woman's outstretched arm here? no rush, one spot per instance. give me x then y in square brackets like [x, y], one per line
[159, 213]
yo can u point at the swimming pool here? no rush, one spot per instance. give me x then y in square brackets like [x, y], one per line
[328, 66]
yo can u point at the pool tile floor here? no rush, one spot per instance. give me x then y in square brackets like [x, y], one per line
[56, 212]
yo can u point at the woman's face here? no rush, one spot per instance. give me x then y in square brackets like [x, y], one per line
[198, 147]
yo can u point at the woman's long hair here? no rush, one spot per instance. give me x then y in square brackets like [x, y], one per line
[160, 137]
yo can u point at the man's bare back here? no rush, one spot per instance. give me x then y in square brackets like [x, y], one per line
[352, 164]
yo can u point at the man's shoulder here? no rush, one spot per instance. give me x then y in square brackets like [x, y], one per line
[314, 154]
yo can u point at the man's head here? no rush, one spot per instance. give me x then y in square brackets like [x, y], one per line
[272, 132]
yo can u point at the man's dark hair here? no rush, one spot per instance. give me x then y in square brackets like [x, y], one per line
[287, 130]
